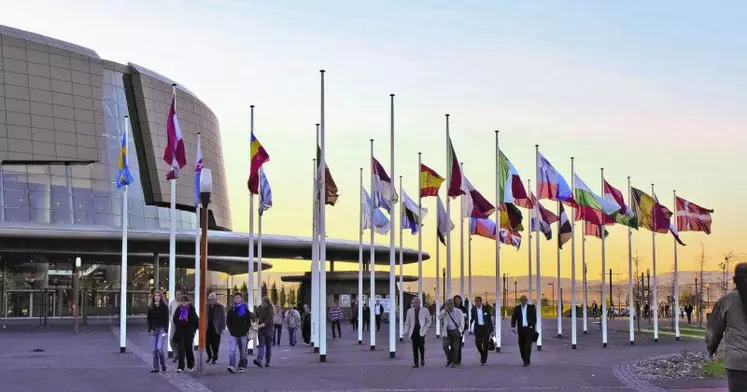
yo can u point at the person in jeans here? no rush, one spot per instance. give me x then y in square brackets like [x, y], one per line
[452, 321]
[292, 321]
[335, 316]
[728, 321]
[185, 324]
[277, 321]
[265, 316]
[238, 320]
[216, 324]
[158, 324]
[416, 326]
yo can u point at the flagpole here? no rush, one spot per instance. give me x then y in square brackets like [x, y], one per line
[197, 255]
[469, 281]
[420, 234]
[438, 282]
[631, 303]
[529, 249]
[604, 273]
[123, 269]
[676, 277]
[372, 263]
[559, 289]
[250, 266]
[498, 305]
[322, 234]
[315, 317]
[401, 289]
[448, 214]
[655, 302]
[585, 285]
[392, 278]
[461, 240]
[259, 250]
[172, 239]
[573, 261]
[360, 261]
[539, 259]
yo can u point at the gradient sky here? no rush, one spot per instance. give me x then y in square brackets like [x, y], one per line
[654, 90]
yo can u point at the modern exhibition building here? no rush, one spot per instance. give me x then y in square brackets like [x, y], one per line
[62, 111]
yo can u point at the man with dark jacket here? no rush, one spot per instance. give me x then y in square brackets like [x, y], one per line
[366, 316]
[238, 320]
[525, 318]
[215, 326]
[483, 326]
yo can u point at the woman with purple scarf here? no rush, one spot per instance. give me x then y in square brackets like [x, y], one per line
[185, 324]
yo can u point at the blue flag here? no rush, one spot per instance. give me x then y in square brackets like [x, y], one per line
[124, 177]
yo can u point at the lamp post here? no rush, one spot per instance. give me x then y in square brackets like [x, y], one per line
[206, 188]
[76, 292]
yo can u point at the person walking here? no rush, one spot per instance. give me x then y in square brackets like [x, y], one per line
[354, 315]
[158, 323]
[727, 324]
[335, 316]
[238, 320]
[483, 326]
[292, 321]
[417, 322]
[524, 318]
[265, 315]
[689, 312]
[216, 324]
[173, 306]
[306, 324]
[277, 321]
[594, 309]
[186, 322]
[379, 310]
[452, 321]
[459, 304]
[366, 317]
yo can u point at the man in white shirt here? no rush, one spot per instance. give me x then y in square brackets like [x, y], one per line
[525, 315]
[378, 311]
[483, 327]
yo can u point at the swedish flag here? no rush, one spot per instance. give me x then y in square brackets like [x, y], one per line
[124, 177]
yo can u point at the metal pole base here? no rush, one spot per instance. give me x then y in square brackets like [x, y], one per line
[539, 348]
[323, 358]
[121, 350]
[573, 347]
[586, 332]
[360, 342]
[392, 355]
[316, 350]
[373, 348]
[656, 340]
[560, 336]
[497, 349]
[604, 345]
[632, 343]
[400, 339]
[677, 338]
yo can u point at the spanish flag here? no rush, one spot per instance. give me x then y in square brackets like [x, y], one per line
[430, 181]
[258, 157]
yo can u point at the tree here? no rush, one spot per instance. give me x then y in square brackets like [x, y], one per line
[274, 293]
[282, 297]
[264, 289]
[235, 289]
[725, 267]
[292, 296]
[245, 290]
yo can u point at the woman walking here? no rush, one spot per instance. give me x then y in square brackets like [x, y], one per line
[158, 326]
[265, 315]
[278, 324]
[185, 324]
[728, 321]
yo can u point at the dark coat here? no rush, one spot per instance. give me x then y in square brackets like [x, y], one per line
[185, 328]
[238, 325]
[219, 317]
[487, 316]
[516, 319]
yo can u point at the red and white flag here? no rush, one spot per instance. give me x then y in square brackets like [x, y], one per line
[174, 153]
[692, 217]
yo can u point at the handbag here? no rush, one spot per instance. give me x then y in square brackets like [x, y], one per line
[491, 344]
[535, 336]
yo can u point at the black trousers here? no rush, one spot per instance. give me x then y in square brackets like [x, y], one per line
[212, 344]
[378, 323]
[482, 338]
[418, 348]
[186, 350]
[737, 380]
[336, 324]
[452, 345]
[525, 344]
[306, 332]
[278, 332]
[366, 324]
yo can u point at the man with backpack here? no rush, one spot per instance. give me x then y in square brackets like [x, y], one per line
[292, 321]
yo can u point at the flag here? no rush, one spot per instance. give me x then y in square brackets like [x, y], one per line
[546, 218]
[651, 215]
[511, 187]
[474, 204]
[380, 221]
[551, 184]
[265, 192]
[590, 206]
[482, 227]
[455, 171]
[692, 217]
[511, 217]
[124, 177]
[258, 157]
[594, 229]
[625, 216]
[331, 193]
[412, 216]
[198, 171]
[174, 153]
[510, 237]
[444, 224]
[384, 194]
[430, 181]
[671, 228]
[565, 232]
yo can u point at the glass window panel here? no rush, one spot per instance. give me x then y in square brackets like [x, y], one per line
[121, 97]
[109, 92]
[14, 168]
[111, 129]
[110, 108]
[82, 218]
[61, 200]
[20, 215]
[40, 215]
[136, 209]
[32, 187]
[40, 199]
[151, 212]
[109, 78]
[62, 217]
[80, 171]
[41, 179]
[151, 223]
[102, 219]
[82, 185]
[102, 205]
[83, 203]
[16, 198]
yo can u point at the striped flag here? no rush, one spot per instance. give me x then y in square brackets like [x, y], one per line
[124, 177]
[564, 234]
[692, 217]
[174, 153]
[384, 194]
[551, 184]
[411, 217]
[454, 187]
[445, 224]
[474, 204]
[430, 181]
[265, 192]
[258, 157]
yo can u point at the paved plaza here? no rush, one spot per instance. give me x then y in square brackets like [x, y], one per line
[91, 361]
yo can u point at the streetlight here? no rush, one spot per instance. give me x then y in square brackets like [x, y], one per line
[206, 188]
[554, 312]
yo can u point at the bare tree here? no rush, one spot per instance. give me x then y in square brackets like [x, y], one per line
[702, 260]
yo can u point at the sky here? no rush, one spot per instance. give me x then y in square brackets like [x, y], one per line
[651, 90]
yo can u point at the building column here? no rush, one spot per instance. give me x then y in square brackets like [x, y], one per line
[156, 271]
[331, 265]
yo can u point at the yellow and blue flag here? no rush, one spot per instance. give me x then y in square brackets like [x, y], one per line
[124, 177]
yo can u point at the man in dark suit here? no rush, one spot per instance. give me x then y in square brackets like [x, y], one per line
[483, 327]
[524, 319]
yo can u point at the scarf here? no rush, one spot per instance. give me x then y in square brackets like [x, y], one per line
[241, 309]
[183, 312]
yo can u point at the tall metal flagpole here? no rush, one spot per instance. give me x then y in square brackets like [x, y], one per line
[250, 288]
[498, 199]
[585, 285]
[461, 238]
[322, 234]
[529, 250]
[676, 279]
[655, 302]
[631, 301]
[315, 317]
[420, 235]
[604, 279]
[197, 255]
[469, 280]
[259, 253]
[172, 239]
[123, 268]
[372, 264]
[448, 215]
[559, 288]
[392, 278]
[438, 283]
[539, 259]
[573, 261]
[401, 288]
[360, 260]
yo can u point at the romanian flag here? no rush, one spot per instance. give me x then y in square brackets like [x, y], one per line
[651, 215]
[455, 171]
[258, 157]
[124, 177]
[430, 181]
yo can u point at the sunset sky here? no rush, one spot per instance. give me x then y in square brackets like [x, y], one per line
[653, 90]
